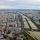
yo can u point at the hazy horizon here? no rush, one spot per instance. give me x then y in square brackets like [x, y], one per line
[19, 4]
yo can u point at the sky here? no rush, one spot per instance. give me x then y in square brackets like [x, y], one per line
[19, 4]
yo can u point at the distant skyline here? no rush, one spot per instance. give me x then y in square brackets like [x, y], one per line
[19, 4]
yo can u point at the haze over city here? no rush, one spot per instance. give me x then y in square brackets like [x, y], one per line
[19, 19]
[19, 4]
